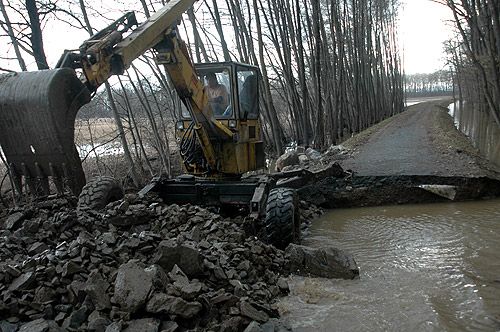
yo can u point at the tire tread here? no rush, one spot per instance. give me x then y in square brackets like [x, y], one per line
[282, 220]
[96, 194]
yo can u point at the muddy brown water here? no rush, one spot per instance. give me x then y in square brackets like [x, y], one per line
[433, 267]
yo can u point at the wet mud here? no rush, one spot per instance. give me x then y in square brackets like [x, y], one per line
[358, 191]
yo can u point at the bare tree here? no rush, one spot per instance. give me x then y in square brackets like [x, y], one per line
[7, 26]
[36, 35]
[478, 25]
[121, 132]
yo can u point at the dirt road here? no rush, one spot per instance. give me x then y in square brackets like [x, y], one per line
[420, 141]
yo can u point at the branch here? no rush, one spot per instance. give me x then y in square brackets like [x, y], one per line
[25, 48]
[7, 58]
[7, 70]
[70, 14]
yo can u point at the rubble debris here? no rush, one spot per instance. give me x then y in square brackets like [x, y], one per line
[313, 154]
[310, 159]
[137, 265]
[14, 220]
[132, 286]
[289, 158]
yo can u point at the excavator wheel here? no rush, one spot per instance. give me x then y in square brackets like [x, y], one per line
[282, 223]
[99, 192]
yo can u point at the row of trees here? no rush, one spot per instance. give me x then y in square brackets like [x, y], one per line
[429, 84]
[330, 68]
[475, 54]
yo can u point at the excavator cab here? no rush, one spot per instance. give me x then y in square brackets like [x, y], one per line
[232, 90]
[237, 84]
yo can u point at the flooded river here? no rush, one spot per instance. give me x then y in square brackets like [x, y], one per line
[480, 128]
[423, 268]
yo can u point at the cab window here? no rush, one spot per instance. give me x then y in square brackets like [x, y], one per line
[217, 85]
[248, 92]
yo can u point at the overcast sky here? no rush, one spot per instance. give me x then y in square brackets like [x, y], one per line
[423, 29]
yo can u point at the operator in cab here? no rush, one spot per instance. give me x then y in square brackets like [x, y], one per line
[217, 93]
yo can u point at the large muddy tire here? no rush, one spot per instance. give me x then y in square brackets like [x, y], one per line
[99, 192]
[282, 223]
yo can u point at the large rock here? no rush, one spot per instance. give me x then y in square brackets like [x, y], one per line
[163, 303]
[44, 294]
[289, 158]
[77, 318]
[326, 262]
[251, 312]
[5, 326]
[38, 325]
[14, 221]
[23, 282]
[97, 322]
[253, 327]
[114, 327]
[132, 286]
[313, 154]
[169, 326]
[96, 288]
[187, 258]
[143, 325]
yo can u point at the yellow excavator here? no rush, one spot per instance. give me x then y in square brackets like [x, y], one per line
[219, 142]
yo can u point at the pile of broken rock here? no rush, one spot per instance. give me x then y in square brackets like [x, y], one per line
[140, 265]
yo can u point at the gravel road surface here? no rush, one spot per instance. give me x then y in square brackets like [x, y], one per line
[420, 141]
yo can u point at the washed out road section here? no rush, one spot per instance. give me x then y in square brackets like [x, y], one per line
[420, 141]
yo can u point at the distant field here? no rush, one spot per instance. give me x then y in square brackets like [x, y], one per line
[99, 137]
[418, 100]
[103, 130]
[95, 130]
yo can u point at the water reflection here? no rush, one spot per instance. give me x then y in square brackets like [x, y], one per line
[418, 100]
[425, 267]
[107, 149]
[480, 127]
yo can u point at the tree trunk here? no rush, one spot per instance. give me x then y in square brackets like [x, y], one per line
[13, 39]
[36, 35]
[119, 125]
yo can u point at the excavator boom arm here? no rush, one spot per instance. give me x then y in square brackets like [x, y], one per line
[108, 53]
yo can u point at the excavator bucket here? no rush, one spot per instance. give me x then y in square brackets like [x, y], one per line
[37, 120]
